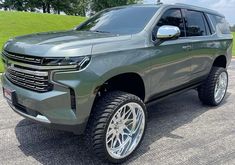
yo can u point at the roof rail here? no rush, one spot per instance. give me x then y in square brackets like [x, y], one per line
[183, 4]
[202, 8]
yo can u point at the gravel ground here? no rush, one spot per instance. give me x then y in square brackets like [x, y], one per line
[180, 131]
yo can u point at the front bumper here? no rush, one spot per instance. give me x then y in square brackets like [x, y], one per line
[76, 129]
[51, 108]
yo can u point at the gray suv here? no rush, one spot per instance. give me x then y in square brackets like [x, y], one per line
[97, 78]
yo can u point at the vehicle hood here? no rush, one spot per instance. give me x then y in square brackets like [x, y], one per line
[60, 44]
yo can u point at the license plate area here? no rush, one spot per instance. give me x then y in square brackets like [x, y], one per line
[10, 95]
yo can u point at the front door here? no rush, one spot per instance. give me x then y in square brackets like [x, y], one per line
[170, 61]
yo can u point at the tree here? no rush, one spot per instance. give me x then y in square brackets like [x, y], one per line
[19, 5]
[232, 28]
[15, 5]
[31, 5]
[97, 5]
[77, 7]
[45, 5]
[8, 4]
[70, 7]
[58, 5]
[1, 4]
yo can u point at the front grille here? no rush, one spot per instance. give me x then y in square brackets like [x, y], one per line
[22, 58]
[34, 80]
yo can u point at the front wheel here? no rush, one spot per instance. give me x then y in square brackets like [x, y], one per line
[213, 90]
[117, 126]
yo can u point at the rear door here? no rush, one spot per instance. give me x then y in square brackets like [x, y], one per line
[202, 42]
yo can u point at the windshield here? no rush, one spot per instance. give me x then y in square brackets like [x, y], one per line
[122, 20]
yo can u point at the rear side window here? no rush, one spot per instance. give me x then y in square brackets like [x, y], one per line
[196, 24]
[171, 17]
[219, 23]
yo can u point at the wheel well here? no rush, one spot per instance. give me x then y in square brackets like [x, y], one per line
[220, 61]
[127, 82]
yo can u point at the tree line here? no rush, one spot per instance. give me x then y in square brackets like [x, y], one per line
[69, 7]
[232, 28]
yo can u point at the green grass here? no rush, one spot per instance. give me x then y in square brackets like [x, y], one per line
[21, 23]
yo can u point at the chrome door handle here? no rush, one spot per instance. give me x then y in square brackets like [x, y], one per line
[187, 47]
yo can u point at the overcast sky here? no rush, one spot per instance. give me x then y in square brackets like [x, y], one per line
[226, 7]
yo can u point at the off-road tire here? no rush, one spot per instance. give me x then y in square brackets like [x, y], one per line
[102, 112]
[206, 91]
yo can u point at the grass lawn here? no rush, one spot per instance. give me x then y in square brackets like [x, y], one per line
[21, 23]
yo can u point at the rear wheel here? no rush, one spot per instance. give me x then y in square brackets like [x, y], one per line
[213, 90]
[117, 126]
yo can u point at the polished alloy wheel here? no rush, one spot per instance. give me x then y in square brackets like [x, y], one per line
[221, 87]
[125, 130]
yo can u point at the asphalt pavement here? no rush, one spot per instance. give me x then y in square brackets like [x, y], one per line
[180, 131]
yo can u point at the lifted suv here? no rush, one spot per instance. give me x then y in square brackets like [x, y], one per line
[97, 78]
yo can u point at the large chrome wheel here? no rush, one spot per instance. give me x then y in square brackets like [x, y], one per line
[125, 130]
[221, 87]
[117, 126]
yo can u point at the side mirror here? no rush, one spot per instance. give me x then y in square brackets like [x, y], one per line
[168, 32]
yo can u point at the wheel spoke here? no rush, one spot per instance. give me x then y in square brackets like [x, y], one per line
[138, 125]
[129, 122]
[128, 130]
[128, 114]
[110, 135]
[127, 145]
[114, 142]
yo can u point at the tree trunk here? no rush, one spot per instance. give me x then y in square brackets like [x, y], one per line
[48, 8]
[44, 8]
[58, 12]
[83, 12]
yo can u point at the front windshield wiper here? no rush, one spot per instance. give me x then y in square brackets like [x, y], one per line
[99, 31]
[96, 31]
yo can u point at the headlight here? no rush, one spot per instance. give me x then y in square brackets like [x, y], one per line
[73, 62]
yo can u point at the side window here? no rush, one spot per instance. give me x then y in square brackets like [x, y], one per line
[212, 24]
[195, 23]
[208, 30]
[220, 23]
[171, 17]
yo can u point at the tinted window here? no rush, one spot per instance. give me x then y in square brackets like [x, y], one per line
[171, 17]
[123, 20]
[211, 25]
[208, 30]
[220, 23]
[195, 23]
